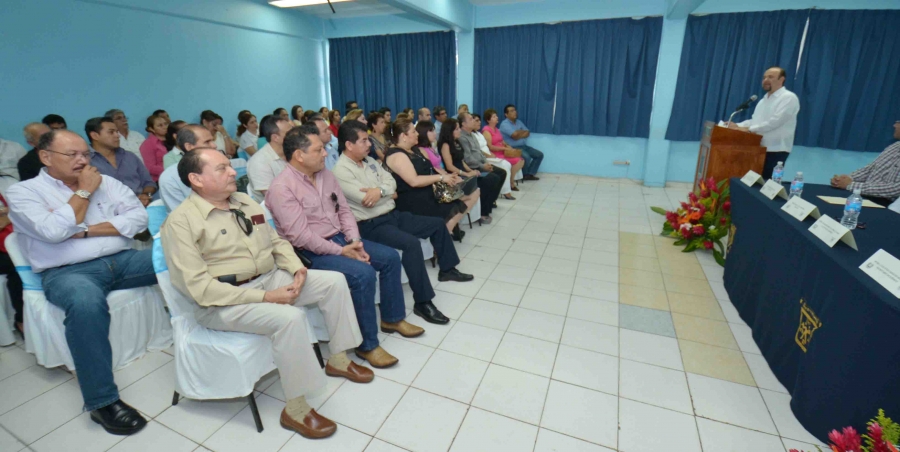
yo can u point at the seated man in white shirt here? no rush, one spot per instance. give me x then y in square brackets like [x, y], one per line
[172, 190]
[129, 140]
[775, 118]
[269, 161]
[76, 228]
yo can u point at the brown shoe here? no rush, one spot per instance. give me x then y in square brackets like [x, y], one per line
[314, 425]
[354, 372]
[378, 357]
[403, 327]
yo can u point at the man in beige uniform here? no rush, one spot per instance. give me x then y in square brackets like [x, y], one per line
[244, 277]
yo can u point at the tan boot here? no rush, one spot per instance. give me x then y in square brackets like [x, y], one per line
[403, 327]
[378, 358]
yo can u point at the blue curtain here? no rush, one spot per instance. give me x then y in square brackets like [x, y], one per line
[517, 65]
[722, 63]
[607, 71]
[849, 80]
[396, 71]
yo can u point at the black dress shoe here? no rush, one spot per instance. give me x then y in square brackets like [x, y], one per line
[458, 234]
[454, 275]
[531, 177]
[119, 418]
[430, 313]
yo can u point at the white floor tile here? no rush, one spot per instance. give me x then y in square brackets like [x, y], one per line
[567, 240]
[657, 386]
[9, 442]
[363, 407]
[378, 445]
[605, 244]
[28, 384]
[557, 265]
[799, 445]
[488, 432]
[651, 349]
[744, 337]
[483, 253]
[529, 247]
[539, 325]
[570, 230]
[599, 272]
[15, 361]
[563, 252]
[553, 281]
[412, 358]
[467, 289]
[452, 305]
[43, 414]
[78, 435]
[596, 289]
[714, 273]
[434, 334]
[423, 422]
[345, 439]
[239, 433]
[597, 311]
[591, 336]
[526, 354]
[718, 289]
[512, 275]
[489, 314]
[474, 341]
[512, 393]
[582, 413]
[731, 403]
[762, 373]
[198, 420]
[521, 260]
[451, 375]
[588, 369]
[140, 368]
[731, 313]
[501, 292]
[549, 301]
[153, 393]
[717, 436]
[534, 236]
[155, 438]
[550, 441]
[670, 431]
[497, 242]
[787, 424]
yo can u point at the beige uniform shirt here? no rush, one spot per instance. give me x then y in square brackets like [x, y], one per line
[352, 177]
[202, 243]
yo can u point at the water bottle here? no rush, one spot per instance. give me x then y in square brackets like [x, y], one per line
[797, 185]
[851, 210]
[778, 172]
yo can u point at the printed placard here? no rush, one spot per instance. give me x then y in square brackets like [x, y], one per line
[751, 178]
[772, 189]
[831, 232]
[800, 208]
[884, 268]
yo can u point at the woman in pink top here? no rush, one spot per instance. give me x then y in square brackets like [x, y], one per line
[153, 149]
[427, 137]
[498, 146]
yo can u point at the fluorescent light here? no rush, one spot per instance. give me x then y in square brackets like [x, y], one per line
[296, 3]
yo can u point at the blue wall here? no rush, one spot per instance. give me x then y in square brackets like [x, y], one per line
[81, 58]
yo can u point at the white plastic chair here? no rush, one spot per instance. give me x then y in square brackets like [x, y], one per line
[138, 320]
[7, 315]
[210, 364]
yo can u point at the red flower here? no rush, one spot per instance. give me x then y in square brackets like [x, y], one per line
[848, 440]
[692, 197]
[698, 230]
[708, 245]
[727, 206]
[685, 206]
[723, 220]
[704, 194]
[710, 182]
[671, 217]
[686, 232]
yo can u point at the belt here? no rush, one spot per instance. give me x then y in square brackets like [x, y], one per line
[230, 279]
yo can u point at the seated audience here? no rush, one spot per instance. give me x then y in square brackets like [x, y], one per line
[153, 149]
[296, 115]
[879, 180]
[349, 106]
[386, 112]
[415, 175]
[323, 112]
[427, 144]
[13, 281]
[370, 193]
[248, 133]
[494, 140]
[171, 190]
[111, 160]
[505, 188]
[30, 164]
[440, 115]
[310, 211]
[463, 108]
[81, 243]
[129, 140]
[409, 112]
[424, 115]
[329, 141]
[355, 115]
[281, 112]
[269, 161]
[462, 156]
[213, 123]
[306, 115]
[173, 156]
[377, 125]
[164, 114]
[55, 121]
[334, 121]
[245, 278]
[516, 134]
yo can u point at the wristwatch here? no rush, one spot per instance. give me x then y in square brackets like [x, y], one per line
[354, 240]
[381, 190]
[83, 194]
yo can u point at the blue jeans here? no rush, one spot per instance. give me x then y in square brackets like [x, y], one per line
[533, 159]
[80, 290]
[361, 279]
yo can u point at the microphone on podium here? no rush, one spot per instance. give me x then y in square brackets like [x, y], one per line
[743, 106]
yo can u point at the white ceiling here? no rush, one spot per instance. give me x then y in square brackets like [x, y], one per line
[356, 8]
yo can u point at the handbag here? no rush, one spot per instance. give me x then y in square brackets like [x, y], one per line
[445, 193]
[512, 153]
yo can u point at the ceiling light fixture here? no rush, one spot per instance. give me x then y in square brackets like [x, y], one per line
[297, 3]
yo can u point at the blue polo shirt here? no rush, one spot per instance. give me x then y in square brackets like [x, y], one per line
[507, 128]
[129, 169]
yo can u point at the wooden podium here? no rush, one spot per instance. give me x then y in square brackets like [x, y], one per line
[726, 153]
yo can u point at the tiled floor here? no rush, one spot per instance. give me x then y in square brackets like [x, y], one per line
[582, 332]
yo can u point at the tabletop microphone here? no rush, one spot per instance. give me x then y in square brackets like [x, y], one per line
[743, 106]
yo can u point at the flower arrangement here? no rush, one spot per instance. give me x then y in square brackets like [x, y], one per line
[703, 221]
[883, 434]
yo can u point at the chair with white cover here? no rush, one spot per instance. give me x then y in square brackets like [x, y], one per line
[138, 319]
[7, 315]
[209, 364]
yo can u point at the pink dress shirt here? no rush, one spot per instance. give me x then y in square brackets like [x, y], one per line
[153, 150]
[305, 214]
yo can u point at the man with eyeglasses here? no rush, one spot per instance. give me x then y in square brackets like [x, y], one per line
[310, 211]
[244, 277]
[112, 160]
[129, 139]
[76, 228]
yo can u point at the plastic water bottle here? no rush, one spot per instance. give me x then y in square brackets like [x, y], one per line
[851, 210]
[778, 172]
[797, 185]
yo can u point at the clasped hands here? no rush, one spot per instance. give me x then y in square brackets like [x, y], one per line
[288, 293]
[843, 181]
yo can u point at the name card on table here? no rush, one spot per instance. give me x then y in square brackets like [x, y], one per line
[751, 178]
[885, 270]
[800, 208]
[772, 189]
[831, 232]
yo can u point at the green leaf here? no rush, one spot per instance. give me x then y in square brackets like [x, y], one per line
[720, 259]
[680, 242]
[659, 210]
[721, 184]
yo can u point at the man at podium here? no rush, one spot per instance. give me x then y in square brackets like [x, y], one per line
[775, 118]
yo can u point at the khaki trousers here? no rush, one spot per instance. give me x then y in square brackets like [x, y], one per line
[286, 325]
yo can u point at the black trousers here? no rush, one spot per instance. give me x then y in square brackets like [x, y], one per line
[490, 184]
[13, 283]
[772, 159]
[402, 231]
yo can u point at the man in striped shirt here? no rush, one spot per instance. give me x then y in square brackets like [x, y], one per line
[879, 179]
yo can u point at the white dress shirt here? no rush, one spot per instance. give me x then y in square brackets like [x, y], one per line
[262, 169]
[10, 154]
[40, 212]
[775, 118]
[220, 142]
[133, 143]
[171, 190]
[248, 139]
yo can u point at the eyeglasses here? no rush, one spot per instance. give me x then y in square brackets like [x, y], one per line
[73, 155]
[242, 221]
[335, 201]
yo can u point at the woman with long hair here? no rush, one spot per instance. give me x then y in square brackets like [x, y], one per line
[376, 136]
[213, 123]
[356, 115]
[427, 140]
[248, 132]
[334, 121]
[173, 156]
[454, 160]
[153, 149]
[296, 115]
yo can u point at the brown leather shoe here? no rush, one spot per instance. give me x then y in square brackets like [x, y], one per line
[314, 425]
[403, 327]
[354, 372]
[378, 357]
